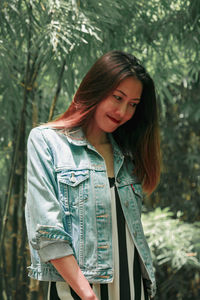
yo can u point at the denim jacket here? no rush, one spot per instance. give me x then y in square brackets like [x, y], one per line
[68, 208]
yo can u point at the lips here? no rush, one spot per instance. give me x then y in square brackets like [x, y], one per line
[113, 119]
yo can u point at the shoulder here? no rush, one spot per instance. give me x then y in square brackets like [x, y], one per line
[54, 139]
[47, 143]
[45, 134]
[41, 130]
[43, 139]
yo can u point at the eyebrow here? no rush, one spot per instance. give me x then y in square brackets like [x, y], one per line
[138, 99]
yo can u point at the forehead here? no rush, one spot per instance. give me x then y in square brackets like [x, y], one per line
[131, 86]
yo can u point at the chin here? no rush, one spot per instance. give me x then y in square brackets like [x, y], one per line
[110, 130]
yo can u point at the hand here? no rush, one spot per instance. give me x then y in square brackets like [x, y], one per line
[90, 296]
[68, 268]
[94, 297]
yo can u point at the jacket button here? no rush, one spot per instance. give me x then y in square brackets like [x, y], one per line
[118, 180]
[73, 179]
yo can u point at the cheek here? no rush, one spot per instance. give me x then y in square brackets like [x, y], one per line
[129, 115]
[99, 111]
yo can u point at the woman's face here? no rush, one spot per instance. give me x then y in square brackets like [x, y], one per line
[119, 107]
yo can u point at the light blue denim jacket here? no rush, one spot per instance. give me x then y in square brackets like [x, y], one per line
[68, 208]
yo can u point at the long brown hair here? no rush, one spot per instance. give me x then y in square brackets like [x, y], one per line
[139, 137]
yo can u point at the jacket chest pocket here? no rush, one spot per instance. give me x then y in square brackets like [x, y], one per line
[73, 188]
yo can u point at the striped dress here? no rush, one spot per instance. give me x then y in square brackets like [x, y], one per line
[128, 283]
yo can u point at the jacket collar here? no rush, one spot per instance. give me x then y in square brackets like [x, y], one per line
[77, 137]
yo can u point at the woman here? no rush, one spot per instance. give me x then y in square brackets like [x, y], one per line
[85, 172]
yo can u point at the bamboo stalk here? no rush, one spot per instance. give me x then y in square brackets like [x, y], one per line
[14, 249]
[8, 201]
[11, 179]
[6, 286]
[34, 289]
[16, 153]
[20, 273]
[55, 99]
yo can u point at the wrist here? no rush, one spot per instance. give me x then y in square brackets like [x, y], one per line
[89, 295]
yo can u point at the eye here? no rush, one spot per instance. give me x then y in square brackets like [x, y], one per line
[117, 97]
[133, 104]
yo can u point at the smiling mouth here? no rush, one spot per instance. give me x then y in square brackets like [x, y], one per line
[114, 120]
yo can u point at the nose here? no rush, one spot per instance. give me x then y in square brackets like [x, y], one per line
[121, 110]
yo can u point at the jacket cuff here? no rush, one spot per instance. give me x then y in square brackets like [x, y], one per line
[54, 251]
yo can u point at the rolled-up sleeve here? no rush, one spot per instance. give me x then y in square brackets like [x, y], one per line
[44, 215]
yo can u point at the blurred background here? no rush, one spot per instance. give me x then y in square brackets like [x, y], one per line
[46, 47]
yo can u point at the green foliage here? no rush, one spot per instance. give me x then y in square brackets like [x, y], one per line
[175, 248]
[180, 185]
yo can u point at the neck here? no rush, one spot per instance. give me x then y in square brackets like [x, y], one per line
[96, 137]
